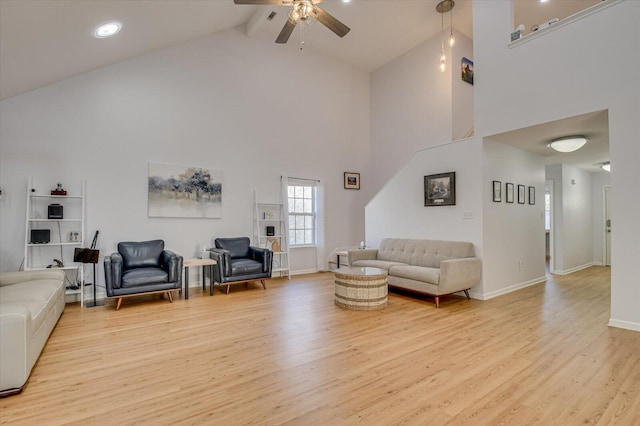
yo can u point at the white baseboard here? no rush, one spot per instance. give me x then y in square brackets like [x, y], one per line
[304, 272]
[576, 269]
[627, 325]
[510, 289]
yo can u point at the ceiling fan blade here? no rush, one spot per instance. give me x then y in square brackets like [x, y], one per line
[273, 2]
[284, 35]
[332, 23]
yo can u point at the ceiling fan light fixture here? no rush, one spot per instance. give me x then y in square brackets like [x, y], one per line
[568, 143]
[108, 29]
[303, 11]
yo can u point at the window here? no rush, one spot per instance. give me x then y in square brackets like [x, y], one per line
[302, 215]
[547, 211]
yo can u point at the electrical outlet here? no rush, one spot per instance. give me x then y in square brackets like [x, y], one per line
[520, 264]
[467, 215]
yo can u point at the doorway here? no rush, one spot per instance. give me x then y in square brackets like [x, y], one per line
[548, 224]
[607, 226]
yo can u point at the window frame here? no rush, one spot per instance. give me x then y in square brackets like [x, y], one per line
[292, 215]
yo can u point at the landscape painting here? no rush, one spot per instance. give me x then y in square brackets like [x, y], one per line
[183, 191]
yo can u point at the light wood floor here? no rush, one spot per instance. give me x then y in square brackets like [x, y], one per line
[287, 355]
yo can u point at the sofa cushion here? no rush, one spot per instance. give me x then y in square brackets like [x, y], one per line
[423, 252]
[418, 273]
[245, 267]
[376, 263]
[141, 254]
[237, 247]
[141, 276]
[34, 296]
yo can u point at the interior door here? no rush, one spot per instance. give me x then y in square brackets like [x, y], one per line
[607, 227]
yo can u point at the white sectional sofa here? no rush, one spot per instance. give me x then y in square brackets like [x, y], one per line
[431, 267]
[30, 305]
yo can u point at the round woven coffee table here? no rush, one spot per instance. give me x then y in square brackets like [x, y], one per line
[361, 289]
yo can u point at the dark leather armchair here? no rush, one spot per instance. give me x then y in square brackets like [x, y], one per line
[239, 262]
[142, 267]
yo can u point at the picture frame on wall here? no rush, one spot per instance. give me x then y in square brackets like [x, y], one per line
[521, 194]
[509, 190]
[466, 69]
[351, 180]
[440, 189]
[532, 195]
[497, 191]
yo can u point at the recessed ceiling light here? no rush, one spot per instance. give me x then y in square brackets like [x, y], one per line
[107, 30]
[346, 1]
[568, 144]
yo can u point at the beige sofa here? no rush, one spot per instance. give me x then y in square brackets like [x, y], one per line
[30, 305]
[431, 267]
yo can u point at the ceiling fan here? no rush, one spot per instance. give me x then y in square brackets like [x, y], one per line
[302, 11]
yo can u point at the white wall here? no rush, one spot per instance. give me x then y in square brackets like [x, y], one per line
[564, 72]
[577, 211]
[398, 210]
[410, 108]
[513, 234]
[461, 91]
[224, 102]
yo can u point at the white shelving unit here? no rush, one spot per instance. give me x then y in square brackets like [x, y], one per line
[65, 234]
[272, 214]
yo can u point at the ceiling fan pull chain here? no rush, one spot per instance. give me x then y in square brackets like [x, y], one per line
[301, 36]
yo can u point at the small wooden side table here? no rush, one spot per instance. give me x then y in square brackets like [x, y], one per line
[187, 263]
[343, 253]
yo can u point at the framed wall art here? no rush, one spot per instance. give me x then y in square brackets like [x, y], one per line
[521, 194]
[467, 70]
[184, 191]
[532, 195]
[440, 189]
[497, 191]
[351, 180]
[509, 190]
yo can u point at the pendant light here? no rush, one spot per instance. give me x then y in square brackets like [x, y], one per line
[443, 7]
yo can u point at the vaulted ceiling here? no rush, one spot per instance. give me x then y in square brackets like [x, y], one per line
[45, 41]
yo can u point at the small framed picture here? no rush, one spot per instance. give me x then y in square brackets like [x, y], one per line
[467, 70]
[521, 194]
[532, 195]
[351, 180]
[509, 192]
[497, 191]
[440, 189]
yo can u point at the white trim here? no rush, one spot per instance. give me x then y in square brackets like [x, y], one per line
[510, 289]
[304, 272]
[627, 325]
[576, 269]
[564, 22]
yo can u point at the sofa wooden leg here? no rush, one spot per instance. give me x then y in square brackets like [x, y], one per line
[466, 293]
[437, 298]
[228, 285]
[264, 286]
[119, 303]
[170, 297]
